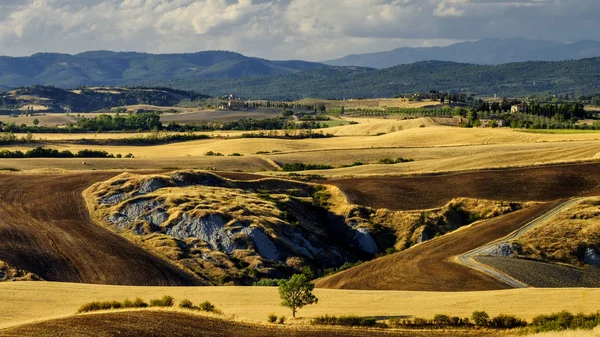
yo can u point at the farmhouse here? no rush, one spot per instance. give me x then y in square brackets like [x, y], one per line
[233, 103]
[522, 107]
[496, 122]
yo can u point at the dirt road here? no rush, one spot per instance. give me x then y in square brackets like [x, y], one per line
[430, 266]
[468, 259]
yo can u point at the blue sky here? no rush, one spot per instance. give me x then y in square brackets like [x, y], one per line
[283, 29]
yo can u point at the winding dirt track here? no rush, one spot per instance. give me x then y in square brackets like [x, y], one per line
[174, 324]
[430, 266]
[45, 228]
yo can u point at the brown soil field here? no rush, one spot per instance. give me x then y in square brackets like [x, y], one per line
[430, 265]
[46, 229]
[179, 324]
[546, 183]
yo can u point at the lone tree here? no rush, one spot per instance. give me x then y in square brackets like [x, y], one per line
[296, 293]
[36, 122]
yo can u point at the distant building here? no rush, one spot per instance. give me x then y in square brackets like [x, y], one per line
[523, 107]
[233, 103]
[236, 105]
[486, 123]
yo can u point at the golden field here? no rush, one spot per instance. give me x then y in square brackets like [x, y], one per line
[25, 302]
[434, 148]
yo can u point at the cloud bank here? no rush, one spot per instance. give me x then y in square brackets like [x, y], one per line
[283, 29]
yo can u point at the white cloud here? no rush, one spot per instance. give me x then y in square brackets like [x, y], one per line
[283, 29]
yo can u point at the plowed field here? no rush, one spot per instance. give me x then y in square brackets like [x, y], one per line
[174, 324]
[546, 183]
[45, 228]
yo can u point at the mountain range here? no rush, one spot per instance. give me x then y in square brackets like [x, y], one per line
[578, 77]
[221, 72]
[118, 68]
[489, 51]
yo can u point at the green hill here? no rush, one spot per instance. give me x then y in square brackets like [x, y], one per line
[512, 79]
[91, 98]
[114, 68]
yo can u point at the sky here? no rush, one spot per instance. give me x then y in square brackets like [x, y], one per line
[313, 30]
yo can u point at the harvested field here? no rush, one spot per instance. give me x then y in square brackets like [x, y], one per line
[522, 184]
[45, 119]
[429, 266]
[26, 302]
[178, 324]
[251, 164]
[220, 115]
[46, 229]
[544, 275]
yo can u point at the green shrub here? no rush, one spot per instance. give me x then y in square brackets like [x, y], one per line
[565, 321]
[442, 320]
[216, 154]
[480, 318]
[507, 322]
[207, 306]
[272, 318]
[186, 304]
[293, 167]
[344, 321]
[235, 154]
[165, 301]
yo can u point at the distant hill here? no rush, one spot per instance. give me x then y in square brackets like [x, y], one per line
[512, 79]
[117, 68]
[489, 51]
[89, 98]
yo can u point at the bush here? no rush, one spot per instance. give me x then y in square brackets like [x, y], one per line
[272, 318]
[165, 301]
[215, 154]
[480, 318]
[395, 161]
[565, 321]
[293, 167]
[186, 304]
[207, 306]
[108, 305]
[345, 321]
[507, 322]
[442, 320]
[235, 154]
[281, 320]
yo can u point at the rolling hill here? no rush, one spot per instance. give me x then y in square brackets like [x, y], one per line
[116, 68]
[220, 73]
[511, 79]
[488, 51]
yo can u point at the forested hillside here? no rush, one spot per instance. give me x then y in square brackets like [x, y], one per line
[88, 99]
[112, 68]
[512, 79]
